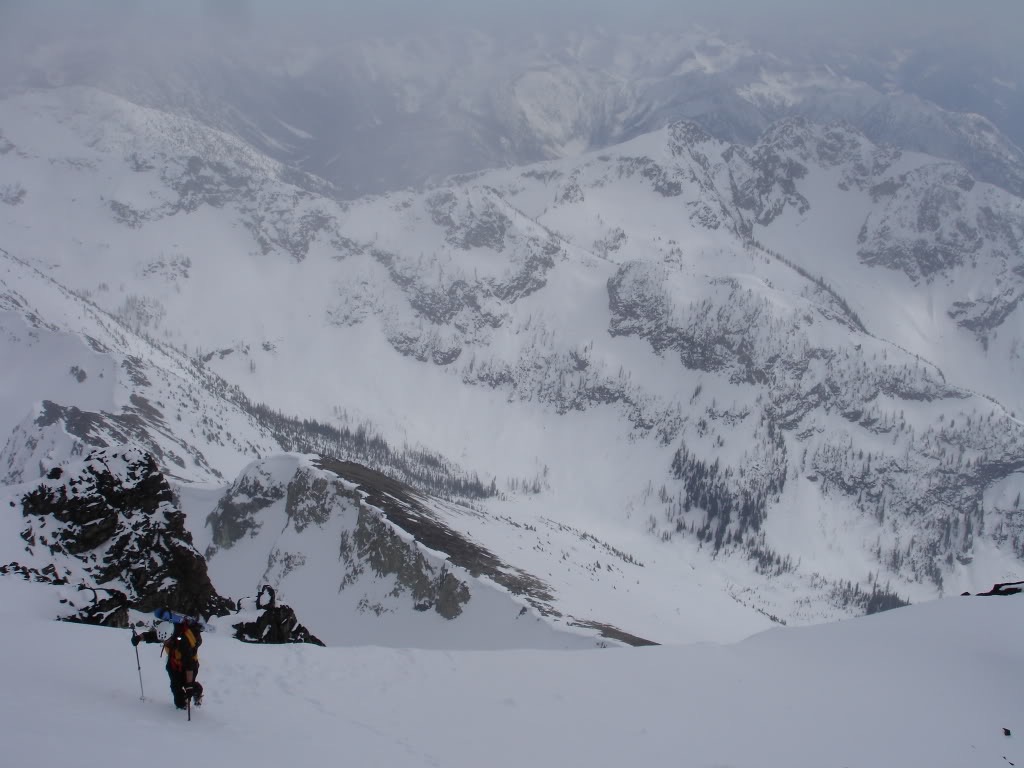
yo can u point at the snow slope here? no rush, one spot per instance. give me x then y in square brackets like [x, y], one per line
[932, 685]
[60, 348]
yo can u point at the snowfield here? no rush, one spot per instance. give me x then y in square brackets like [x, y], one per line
[930, 685]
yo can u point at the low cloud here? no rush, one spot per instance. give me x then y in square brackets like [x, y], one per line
[111, 34]
[868, 19]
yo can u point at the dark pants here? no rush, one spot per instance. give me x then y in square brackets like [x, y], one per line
[183, 685]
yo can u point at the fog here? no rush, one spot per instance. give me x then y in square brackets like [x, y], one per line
[399, 92]
[28, 23]
[119, 31]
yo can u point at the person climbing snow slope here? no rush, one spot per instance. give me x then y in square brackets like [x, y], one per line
[180, 643]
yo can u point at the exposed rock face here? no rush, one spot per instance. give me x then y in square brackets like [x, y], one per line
[767, 176]
[343, 540]
[237, 512]
[110, 525]
[457, 307]
[369, 549]
[937, 225]
[936, 474]
[377, 548]
[933, 219]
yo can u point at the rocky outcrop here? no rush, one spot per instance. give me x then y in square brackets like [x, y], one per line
[110, 526]
[370, 549]
[377, 548]
[237, 512]
[273, 623]
[1002, 590]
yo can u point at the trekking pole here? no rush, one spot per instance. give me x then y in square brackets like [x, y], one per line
[142, 693]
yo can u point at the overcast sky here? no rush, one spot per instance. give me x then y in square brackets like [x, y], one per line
[90, 36]
[41, 19]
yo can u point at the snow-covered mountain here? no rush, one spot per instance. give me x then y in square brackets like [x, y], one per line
[781, 363]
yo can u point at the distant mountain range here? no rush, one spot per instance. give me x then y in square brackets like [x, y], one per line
[375, 114]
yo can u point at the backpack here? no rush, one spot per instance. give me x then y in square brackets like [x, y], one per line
[182, 648]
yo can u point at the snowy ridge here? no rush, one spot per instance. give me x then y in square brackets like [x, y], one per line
[373, 561]
[81, 378]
